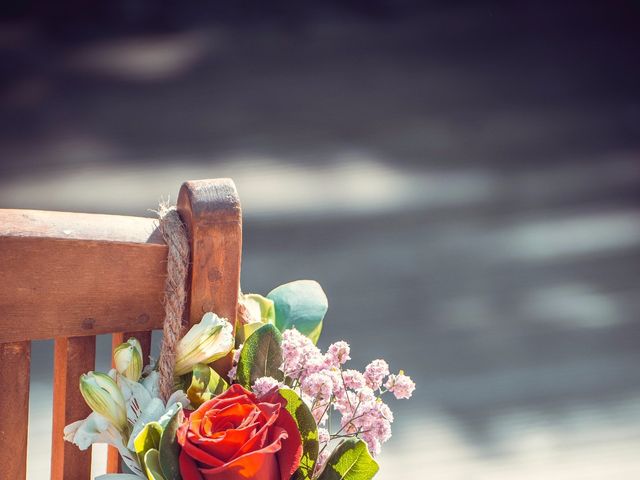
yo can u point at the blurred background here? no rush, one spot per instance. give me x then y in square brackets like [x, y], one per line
[462, 178]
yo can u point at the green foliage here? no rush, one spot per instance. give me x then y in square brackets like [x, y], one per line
[152, 465]
[258, 306]
[301, 304]
[206, 383]
[147, 439]
[308, 431]
[350, 460]
[169, 447]
[261, 356]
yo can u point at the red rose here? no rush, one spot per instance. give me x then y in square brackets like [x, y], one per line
[235, 436]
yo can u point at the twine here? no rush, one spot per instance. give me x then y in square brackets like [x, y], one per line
[175, 293]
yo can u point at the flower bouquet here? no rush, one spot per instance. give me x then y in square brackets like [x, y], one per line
[285, 410]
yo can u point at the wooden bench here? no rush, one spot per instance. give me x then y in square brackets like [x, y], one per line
[72, 276]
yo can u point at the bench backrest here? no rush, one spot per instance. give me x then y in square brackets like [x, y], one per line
[72, 276]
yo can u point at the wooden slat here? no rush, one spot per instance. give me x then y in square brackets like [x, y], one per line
[211, 212]
[14, 403]
[64, 274]
[72, 357]
[113, 457]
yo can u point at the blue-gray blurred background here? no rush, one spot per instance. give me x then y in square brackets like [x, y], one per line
[461, 177]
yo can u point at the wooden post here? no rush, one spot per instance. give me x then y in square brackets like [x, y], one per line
[71, 358]
[210, 210]
[15, 360]
[72, 276]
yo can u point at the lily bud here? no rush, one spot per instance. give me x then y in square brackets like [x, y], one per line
[128, 359]
[105, 398]
[205, 342]
[255, 310]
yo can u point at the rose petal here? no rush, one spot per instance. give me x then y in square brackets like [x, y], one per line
[258, 465]
[188, 467]
[291, 453]
[234, 437]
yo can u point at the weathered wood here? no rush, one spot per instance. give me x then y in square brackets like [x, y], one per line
[14, 403]
[72, 357]
[71, 276]
[211, 212]
[113, 457]
[64, 274]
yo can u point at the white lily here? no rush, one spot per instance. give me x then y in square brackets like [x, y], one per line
[156, 411]
[127, 358]
[142, 407]
[97, 429]
[105, 398]
[205, 342]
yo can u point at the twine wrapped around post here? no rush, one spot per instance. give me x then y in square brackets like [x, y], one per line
[175, 293]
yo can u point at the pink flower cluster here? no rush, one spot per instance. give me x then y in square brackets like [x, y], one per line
[326, 386]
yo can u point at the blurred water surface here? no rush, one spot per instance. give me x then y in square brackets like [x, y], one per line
[463, 181]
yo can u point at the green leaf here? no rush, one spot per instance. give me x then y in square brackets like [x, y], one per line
[308, 431]
[206, 383]
[267, 310]
[350, 460]
[147, 439]
[301, 304]
[261, 356]
[169, 447]
[152, 465]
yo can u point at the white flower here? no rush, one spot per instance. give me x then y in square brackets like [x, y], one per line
[97, 429]
[128, 360]
[205, 342]
[105, 398]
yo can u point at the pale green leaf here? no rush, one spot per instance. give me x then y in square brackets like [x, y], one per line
[205, 384]
[152, 465]
[147, 439]
[302, 305]
[350, 460]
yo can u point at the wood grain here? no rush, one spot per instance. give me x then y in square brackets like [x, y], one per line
[15, 360]
[77, 274]
[72, 357]
[71, 276]
[211, 212]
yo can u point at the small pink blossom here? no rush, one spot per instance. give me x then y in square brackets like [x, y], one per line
[236, 354]
[323, 384]
[264, 385]
[323, 456]
[318, 385]
[314, 363]
[353, 379]
[346, 404]
[400, 385]
[375, 372]
[338, 354]
[301, 357]
[320, 413]
[323, 435]
[373, 443]
[233, 371]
